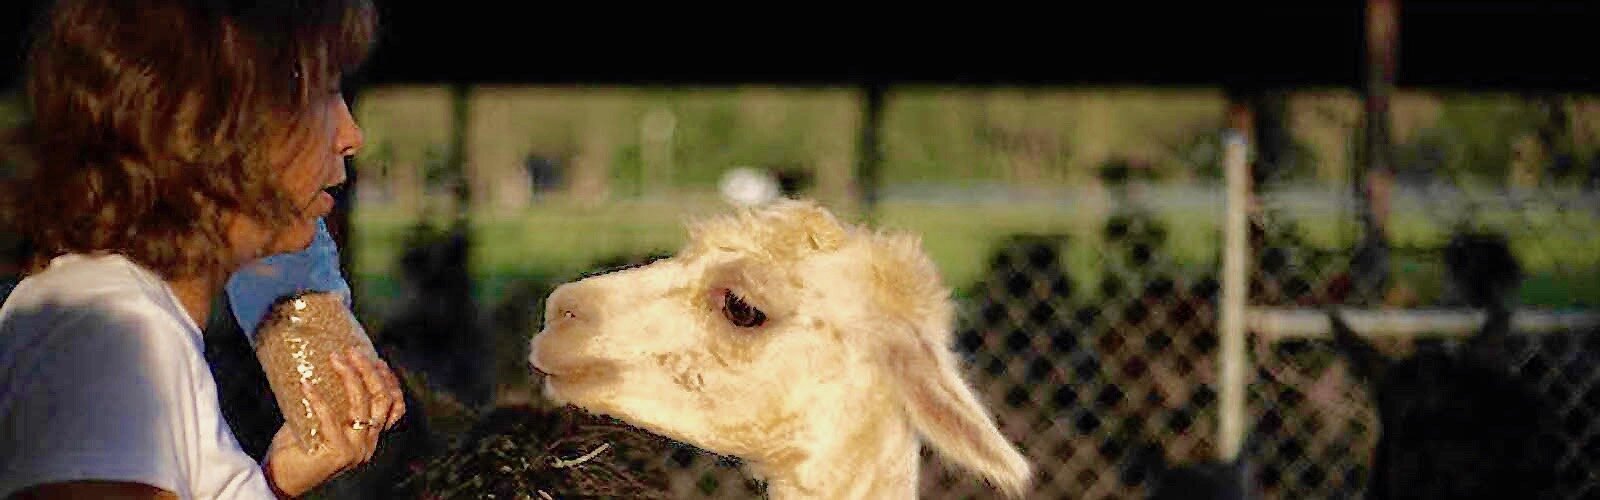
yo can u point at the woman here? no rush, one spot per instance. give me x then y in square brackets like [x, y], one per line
[171, 143]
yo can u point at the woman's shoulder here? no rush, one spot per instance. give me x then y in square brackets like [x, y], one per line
[88, 333]
[104, 292]
[92, 317]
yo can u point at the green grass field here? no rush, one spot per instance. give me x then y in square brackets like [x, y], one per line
[559, 242]
[516, 259]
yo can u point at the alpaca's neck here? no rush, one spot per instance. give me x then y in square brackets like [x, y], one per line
[858, 456]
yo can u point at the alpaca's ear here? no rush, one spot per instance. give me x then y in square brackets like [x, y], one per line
[946, 412]
[1364, 359]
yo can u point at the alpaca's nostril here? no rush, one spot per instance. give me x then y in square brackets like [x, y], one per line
[566, 314]
[571, 304]
[565, 308]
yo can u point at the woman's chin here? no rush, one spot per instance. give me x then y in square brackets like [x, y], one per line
[296, 239]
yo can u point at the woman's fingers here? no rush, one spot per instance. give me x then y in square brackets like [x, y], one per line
[357, 429]
[397, 399]
[376, 404]
[352, 387]
[329, 426]
[377, 390]
[363, 428]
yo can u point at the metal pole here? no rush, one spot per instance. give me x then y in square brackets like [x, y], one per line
[869, 159]
[1375, 176]
[1235, 277]
[1275, 324]
[462, 188]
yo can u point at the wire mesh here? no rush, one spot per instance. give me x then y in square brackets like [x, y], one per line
[1101, 391]
[1317, 425]
[1088, 294]
[1111, 388]
[1076, 228]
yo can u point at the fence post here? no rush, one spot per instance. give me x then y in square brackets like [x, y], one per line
[1235, 277]
[460, 104]
[869, 158]
[1375, 175]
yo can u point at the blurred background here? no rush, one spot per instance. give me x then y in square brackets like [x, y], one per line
[1080, 223]
[1082, 229]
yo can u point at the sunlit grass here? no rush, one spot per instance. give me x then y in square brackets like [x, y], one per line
[561, 241]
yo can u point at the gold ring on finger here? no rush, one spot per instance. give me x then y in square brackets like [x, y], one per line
[359, 425]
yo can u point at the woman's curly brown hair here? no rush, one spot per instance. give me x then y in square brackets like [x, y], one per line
[150, 120]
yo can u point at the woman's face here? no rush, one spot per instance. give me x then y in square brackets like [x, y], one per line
[312, 163]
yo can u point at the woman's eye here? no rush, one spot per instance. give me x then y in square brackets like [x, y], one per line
[740, 313]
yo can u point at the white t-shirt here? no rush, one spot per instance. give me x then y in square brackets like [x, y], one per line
[103, 376]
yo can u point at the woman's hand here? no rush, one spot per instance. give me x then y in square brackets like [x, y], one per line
[350, 440]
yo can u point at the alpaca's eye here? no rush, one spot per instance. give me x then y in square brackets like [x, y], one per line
[740, 313]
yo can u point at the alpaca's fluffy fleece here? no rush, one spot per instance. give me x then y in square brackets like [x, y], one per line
[814, 350]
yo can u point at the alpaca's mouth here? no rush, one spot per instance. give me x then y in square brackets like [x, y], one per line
[557, 358]
[568, 371]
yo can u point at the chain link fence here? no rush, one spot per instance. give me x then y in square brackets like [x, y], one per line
[1082, 235]
[1107, 378]
[1316, 426]
[1088, 283]
[1104, 383]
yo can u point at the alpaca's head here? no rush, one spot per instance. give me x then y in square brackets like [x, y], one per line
[766, 322]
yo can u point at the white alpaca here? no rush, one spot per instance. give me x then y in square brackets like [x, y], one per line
[816, 353]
